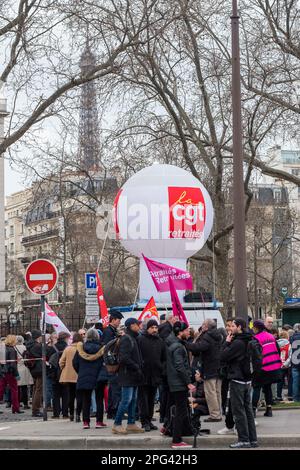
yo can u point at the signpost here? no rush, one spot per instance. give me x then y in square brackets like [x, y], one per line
[41, 278]
[91, 301]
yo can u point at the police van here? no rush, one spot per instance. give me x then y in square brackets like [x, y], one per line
[195, 312]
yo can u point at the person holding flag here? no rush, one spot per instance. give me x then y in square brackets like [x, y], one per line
[153, 352]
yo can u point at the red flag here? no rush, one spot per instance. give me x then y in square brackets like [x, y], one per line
[102, 304]
[176, 305]
[149, 311]
[161, 273]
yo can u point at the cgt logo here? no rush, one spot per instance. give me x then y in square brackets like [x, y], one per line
[187, 212]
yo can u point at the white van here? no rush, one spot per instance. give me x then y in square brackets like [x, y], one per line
[195, 313]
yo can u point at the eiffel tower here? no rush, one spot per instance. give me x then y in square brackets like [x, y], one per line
[89, 144]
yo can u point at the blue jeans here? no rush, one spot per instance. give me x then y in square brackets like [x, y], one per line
[296, 383]
[127, 404]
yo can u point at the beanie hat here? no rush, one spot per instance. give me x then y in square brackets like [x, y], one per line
[259, 324]
[151, 323]
[179, 326]
[36, 334]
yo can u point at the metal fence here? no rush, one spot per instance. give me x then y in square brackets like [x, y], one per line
[18, 323]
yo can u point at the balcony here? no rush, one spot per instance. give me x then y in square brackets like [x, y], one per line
[39, 237]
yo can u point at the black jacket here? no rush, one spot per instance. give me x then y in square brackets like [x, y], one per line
[178, 368]
[87, 362]
[109, 334]
[153, 351]
[200, 399]
[34, 350]
[11, 355]
[130, 371]
[165, 330]
[55, 351]
[209, 346]
[235, 355]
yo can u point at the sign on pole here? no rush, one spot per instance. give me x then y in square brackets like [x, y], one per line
[41, 278]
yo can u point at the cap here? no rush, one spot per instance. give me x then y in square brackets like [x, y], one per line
[151, 323]
[132, 321]
[36, 334]
[116, 315]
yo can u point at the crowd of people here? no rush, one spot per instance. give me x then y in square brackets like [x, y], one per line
[211, 372]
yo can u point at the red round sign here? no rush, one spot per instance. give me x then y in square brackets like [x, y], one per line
[41, 276]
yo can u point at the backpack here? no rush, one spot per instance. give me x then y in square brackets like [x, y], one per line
[111, 355]
[254, 354]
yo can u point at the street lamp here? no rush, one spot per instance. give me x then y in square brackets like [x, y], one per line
[240, 277]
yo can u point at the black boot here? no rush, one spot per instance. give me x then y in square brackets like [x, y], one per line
[268, 412]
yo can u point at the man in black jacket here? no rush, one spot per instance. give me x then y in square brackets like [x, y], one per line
[153, 353]
[179, 379]
[34, 348]
[130, 376]
[235, 354]
[60, 391]
[208, 344]
[114, 389]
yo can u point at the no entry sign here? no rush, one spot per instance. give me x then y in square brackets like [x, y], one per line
[41, 276]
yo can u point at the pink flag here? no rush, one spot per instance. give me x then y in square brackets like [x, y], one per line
[176, 305]
[161, 273]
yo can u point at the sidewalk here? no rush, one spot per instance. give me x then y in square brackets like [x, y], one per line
[283, 430]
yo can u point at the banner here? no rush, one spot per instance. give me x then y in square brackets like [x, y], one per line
[52, 319]
[150, 311]
[161, 273]
[104, 315]
[176, 305]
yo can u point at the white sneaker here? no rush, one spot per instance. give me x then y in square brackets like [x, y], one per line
[255, 422]
[227, 431]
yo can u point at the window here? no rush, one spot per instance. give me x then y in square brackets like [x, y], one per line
[11, 230]
[296, 171]
[12, 247]
[277, 195]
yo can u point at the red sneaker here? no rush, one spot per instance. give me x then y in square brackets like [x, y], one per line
[86, 425]
[181, 445]
[99, 425]
[162, 431]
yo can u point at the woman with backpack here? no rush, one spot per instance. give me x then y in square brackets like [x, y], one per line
[68, 377]
[87, 363]
[271, 367]
[10, 373]
[25, 377]
[60, 393]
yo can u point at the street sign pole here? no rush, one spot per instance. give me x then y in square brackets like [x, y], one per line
[44, 375]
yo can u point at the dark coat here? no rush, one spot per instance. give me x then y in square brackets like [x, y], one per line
[11, 355]
[55, 351]
[200, 399]
[178, 368]
[165, 330]
[130, 371]
[109, 334]
[87, 362]
[234, 354]
[153, 351]
[208, 344]
[35, 351]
